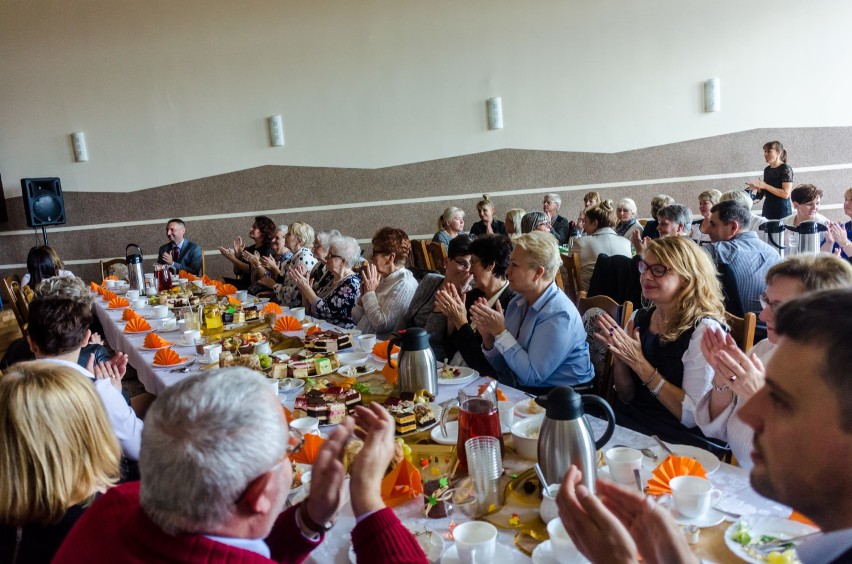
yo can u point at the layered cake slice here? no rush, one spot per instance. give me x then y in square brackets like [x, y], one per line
[403, 416]
[328, 341]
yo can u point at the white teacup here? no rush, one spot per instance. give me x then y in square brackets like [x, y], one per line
[198, 283]
[693, 496]
[139, 303]
[160, 310]
[621, 462]
[475, 541]
[366, 342]
[298, 313]
[548, 510]
[241, 295]
[188, 338]
[210, 290]
[506, 410]
[564, 549]
[212, 352]
[111, 284]
[169, 324]
[306, 425]
[132, 295]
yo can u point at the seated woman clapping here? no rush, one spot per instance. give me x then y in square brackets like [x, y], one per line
[659, 371]
[386, 285]
[540, 342]
[299, 240]
[333, 302]
[488, 262]
[739, 376]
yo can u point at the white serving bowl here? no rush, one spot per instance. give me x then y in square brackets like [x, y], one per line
[525, 436]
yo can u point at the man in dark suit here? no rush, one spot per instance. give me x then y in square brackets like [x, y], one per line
[180, 253]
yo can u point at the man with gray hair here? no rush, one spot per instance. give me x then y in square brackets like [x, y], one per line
[741, 258]
[216, 473]
[559, 226]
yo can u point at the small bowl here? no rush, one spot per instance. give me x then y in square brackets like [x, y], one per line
[352, 357]
[287, 385]
[526, 445]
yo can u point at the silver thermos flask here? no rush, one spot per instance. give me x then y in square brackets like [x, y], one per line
[566, 437]
[417, 368]
[135, 275]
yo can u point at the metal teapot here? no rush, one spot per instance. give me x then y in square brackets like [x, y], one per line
[135, 274]
[417, 368]
[808, 235]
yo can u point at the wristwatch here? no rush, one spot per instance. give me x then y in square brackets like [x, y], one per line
[303, 519]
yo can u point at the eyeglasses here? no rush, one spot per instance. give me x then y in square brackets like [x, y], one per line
[462, 263]
[331, 256]
[545, 223]
[657, 270]
[766, 304]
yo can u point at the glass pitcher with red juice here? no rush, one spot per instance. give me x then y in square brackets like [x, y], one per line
[478, 416]
[163, 276]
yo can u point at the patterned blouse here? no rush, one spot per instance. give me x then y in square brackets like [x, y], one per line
[336, 308]
[287, 292]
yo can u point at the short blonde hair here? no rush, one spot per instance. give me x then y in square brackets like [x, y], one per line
[515, 215]
[738, 196]
[304, 232]
[542, 251]
[57, 445]
[847, 193]
[711, 196]
[659, 202]
[701, 295]
[485, 202]
[449, 213]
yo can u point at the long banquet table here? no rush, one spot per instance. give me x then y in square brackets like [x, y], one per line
[733, 481]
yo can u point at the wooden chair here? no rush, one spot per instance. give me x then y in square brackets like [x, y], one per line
[22, 304]
[642, 222]
[106, 264]
[10, 300]
[742, 329]
[437, 255]
[621, 313]
[572, 282]
[203, 263]
[420, 255]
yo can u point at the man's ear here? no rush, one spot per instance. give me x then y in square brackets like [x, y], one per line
[258, 495]
[33, 345]
[86, 338]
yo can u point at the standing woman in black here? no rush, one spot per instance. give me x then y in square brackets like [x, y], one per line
[777, 182]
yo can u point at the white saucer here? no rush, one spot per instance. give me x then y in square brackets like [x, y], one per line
[522, 408]
[452, 434]
[177, 365]
[502, 553]
[466, 375]
[543, 554]
[710, 519]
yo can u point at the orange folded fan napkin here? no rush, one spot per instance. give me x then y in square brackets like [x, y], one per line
[672, 467]
[167, 357]
[380, 349]
[95, 288]
[108, 295]
[234, 301]
[273, 308]
[129, 314]
[309, 449]
[312, 330]
[154, 341]
[500, 395]
[118, 302]
[137, 325]
[287, 323]
[401, 484]
[226, 290]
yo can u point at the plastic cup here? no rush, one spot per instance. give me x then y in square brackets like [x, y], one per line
[485, 466]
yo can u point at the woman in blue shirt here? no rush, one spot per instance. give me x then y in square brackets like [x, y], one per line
[540, 342]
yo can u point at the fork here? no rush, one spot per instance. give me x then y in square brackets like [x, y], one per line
[772, 545]
[183, 368]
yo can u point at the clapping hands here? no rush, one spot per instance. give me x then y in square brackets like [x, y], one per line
[744, 375]
[450, 302]
[370, 278]
[489, 322]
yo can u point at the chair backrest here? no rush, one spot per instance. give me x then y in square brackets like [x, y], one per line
[742, 329]
[10, 299]
[22, 304]
[105, 264]
[420, 255]
[203, 263]
[733, 302]
[601, 357]
[572, 282]
[437, 253]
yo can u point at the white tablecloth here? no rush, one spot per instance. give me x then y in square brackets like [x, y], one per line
[739, 497]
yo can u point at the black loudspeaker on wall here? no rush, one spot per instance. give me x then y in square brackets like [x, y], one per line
[43, 202]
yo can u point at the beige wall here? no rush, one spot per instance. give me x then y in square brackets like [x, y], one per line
[385, 100]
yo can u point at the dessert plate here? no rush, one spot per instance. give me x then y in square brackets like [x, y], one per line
[774, 526]
[144, 348]
[465, 376]
[523, 409]
[707, 459]
[176, 365]
[709, 519]
[356, 370]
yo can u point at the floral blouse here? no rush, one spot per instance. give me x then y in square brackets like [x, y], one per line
[337, 307]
